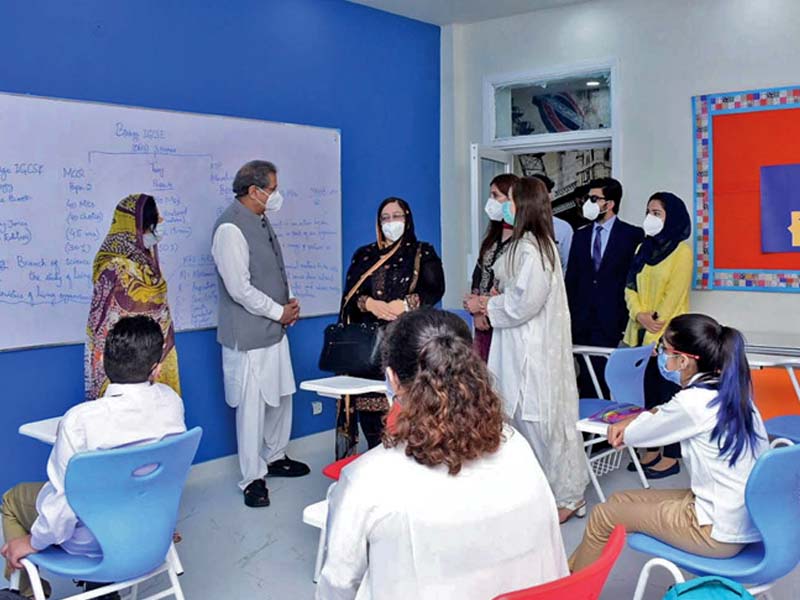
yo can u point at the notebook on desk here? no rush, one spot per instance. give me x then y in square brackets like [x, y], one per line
[616, 413]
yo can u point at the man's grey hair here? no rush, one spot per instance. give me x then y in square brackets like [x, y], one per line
[255, 172]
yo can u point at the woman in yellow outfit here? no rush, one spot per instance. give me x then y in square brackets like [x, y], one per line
[128, 281]
[658, 291]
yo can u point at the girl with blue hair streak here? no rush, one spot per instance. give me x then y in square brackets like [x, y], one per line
[721, 436]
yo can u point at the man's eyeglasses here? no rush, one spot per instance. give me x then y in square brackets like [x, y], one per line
[595, 198]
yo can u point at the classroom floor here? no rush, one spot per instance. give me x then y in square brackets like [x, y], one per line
[234, 552]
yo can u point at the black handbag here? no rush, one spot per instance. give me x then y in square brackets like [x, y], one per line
[354, 348]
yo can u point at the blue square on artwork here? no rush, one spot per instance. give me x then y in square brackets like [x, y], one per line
[780, 208]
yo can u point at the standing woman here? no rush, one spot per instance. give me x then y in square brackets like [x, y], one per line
[493, 246]
[531, 353]
[657, 292]
[128, 281]
[396, 274]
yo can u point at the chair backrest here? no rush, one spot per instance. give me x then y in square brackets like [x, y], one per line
[625, 374]
[464, 314]
[773, 500]
[586, 584]
[128, 498]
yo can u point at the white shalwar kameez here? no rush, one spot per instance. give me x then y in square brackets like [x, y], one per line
[531, 358]
[259, 383]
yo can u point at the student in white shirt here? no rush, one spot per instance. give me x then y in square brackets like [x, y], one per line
[454, 503]
[562, 231]
[721, 435]
[133, 410]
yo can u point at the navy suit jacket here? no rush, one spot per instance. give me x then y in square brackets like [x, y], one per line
[597, 298]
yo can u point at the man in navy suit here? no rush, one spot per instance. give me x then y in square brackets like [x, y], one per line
[599, 260]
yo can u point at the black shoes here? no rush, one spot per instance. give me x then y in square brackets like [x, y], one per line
[286, 467]
[256, 495]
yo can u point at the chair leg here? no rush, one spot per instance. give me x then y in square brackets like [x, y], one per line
[176, 585]
[174, 560]
[639, 470]
[134, 595]
[320, 554]
[761, 591]
[36, 581]
[644, 576]
[593, 478]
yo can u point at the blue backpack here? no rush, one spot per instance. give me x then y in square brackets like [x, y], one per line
[708, 588]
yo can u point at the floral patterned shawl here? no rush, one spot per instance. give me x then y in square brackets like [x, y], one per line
[127, 281]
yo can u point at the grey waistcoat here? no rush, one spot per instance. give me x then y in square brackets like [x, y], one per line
[236, 327]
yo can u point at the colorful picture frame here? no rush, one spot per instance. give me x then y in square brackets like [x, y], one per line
[735, 134]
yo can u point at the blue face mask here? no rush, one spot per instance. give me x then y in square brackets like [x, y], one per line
[507, 216]
[673, 376]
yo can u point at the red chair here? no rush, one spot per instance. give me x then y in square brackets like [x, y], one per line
[334, 470]
[586, 584]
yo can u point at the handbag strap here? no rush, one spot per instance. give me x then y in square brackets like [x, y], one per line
[417, 261]
[364, 277]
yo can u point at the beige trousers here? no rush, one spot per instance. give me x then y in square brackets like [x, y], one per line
[19, 514]
[668, 515]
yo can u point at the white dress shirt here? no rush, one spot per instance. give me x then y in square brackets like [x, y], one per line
[126, 414]
[399, 530]
[718, 488]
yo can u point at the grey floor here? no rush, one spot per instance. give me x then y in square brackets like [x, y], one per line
[233, 552]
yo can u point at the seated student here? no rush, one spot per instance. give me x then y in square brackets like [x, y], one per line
[721, 436]
[133, 410]
[454, 503]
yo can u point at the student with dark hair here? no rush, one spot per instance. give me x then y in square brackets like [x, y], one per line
[133, 410]
[721, 435]
[495, 243]
[562, 230]
[531, 354]
[453, 504]
[599, 261]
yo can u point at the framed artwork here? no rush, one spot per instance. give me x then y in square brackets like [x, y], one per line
[746, 150]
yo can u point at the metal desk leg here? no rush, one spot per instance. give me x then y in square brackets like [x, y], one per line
[598, 490]
[793, 379]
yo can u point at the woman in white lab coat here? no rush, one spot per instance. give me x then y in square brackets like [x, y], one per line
[453, 504]
[531, 353]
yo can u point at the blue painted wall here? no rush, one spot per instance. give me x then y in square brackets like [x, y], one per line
[329, 63]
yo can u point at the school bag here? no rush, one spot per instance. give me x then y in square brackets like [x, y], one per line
[708, 588]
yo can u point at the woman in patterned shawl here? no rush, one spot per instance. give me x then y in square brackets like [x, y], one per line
[128, 281]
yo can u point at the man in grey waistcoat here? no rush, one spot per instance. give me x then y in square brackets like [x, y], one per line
[255, 308]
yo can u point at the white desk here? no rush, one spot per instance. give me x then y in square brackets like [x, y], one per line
[44, 430]
[607, 460]
[343, 385]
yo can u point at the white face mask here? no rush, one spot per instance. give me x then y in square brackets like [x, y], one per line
[652, 225]
[274, 202]
[494, 209]
[393, 230]
[591, 210]
[150, 239]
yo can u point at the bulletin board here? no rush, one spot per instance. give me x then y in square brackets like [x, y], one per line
[746, 148]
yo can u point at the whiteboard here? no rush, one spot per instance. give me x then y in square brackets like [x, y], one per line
[64, 166]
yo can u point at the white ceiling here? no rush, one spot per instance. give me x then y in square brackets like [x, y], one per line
[445, 12]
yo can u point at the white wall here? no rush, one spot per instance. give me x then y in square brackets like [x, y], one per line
[668, 51]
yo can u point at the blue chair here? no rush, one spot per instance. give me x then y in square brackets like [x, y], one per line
[625, 378]
[773, 500]
[128, 498]
[464, 314]
[784, 429]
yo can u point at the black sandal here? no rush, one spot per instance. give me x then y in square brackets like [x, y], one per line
[256, 494]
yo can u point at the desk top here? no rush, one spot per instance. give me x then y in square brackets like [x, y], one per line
[590, 426]
[44, 430]
[342, 385]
